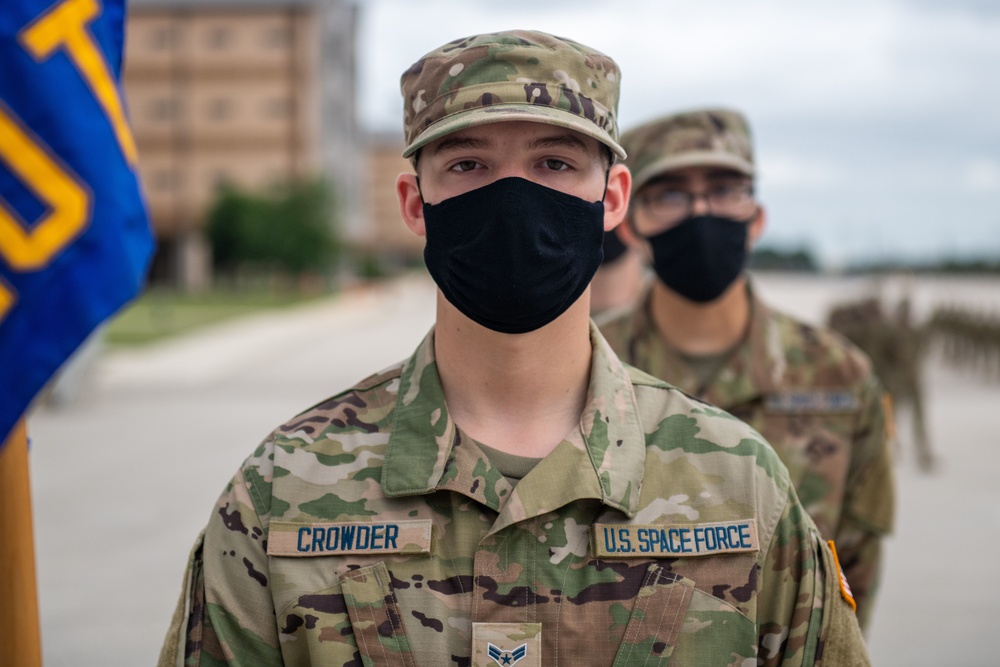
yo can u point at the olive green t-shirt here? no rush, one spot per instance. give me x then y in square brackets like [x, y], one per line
[511, 466]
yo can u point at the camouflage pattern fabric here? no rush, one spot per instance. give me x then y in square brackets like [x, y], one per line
[507, 76]
[813, 396]
[703, 138]
[705, 555]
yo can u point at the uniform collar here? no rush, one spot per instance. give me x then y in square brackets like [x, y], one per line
[605, 458]
[755, 367]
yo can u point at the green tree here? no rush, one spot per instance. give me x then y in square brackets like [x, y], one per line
[291, 231]
[303, 240]
[775, 259]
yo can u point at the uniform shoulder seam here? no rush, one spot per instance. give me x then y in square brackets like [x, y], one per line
[855, 360]
[367, 384]
[376, 379]
[641, 377]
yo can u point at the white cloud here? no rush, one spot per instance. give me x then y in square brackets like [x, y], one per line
[982, 175]
[794, 171]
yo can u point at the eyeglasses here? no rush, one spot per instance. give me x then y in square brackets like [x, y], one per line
[667, 204]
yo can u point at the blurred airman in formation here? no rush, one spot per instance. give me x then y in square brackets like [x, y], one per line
[968, 339]
[899, 346]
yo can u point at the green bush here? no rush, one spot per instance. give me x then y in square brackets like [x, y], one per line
[292, 231]
[776, 259]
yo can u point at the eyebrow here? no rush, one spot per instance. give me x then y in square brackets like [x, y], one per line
[461, 143]
[476, 143]
[559, 141]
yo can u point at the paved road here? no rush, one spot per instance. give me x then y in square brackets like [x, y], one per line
[124, 477]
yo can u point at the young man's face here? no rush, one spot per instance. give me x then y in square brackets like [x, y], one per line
[552, 156]
[529, 232]
[670, 198]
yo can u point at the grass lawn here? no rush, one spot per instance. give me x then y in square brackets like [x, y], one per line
[161, 313]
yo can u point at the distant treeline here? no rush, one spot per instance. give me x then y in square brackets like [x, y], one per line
[801, 259]
[954, 266]
[775, 259]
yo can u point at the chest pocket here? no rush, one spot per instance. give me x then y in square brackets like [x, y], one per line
[375, 618]
[657, 616]
[352, 622]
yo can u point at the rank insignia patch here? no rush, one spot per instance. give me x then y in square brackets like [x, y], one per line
[506, 644]
[503, 657]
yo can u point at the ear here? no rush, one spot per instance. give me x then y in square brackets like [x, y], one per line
[411, 205]
[617, 195]
[757, 226]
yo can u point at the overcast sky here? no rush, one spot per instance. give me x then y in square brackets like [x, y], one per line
[877, 122]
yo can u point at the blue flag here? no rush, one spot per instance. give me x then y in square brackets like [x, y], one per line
[75, 241]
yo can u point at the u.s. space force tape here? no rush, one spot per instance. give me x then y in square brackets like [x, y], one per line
[622, 540]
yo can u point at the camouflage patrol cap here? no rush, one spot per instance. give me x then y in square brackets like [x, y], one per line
[506, 76]
[702, 138]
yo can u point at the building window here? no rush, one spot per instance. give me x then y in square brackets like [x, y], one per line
[276, 107]
[218, 37]
[277, 37]
[163, 179]
[219, 109]
[163, 109]
[162, 38]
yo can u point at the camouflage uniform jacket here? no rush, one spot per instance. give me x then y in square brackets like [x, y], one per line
[813, 396]
[369, 530]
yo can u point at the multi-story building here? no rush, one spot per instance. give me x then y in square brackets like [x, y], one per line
[248, 92]
[384, 235]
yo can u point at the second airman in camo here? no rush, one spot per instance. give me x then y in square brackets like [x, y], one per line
[702, 327]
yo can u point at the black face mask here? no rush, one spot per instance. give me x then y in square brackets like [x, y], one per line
[700, 257]
[513, 255]
[613, 247]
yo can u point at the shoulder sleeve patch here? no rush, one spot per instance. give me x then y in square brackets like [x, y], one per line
[890, 416]
[845, 588]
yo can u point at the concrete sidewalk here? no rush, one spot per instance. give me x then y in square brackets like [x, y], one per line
[125, 477]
